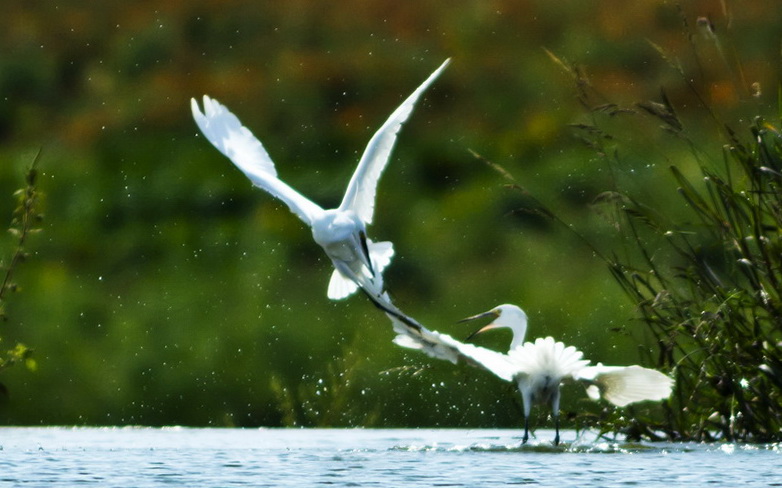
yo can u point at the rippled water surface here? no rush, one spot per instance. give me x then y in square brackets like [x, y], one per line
[145, 457]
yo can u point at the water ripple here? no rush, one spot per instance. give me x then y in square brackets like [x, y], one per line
[60, 457]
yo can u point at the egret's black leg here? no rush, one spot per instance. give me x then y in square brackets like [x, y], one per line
[555, 413]
[526, 431]
[365, 248]
[392, 310]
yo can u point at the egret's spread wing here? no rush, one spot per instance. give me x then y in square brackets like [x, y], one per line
[230, 137]
[360, 194]
[443, 346]
[622, 385]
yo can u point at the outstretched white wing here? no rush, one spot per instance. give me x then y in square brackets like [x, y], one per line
[230, 137]
[622, 385]
[360, 194]
[442, 346]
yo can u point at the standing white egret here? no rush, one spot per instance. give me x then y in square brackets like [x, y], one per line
[538, 368]
[340, 231]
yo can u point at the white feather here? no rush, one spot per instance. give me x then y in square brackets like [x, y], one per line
[231, 138]
[360, 195]
[341, 232]
[622, 385]
[443, 346]
[539, 367]
[548, 357]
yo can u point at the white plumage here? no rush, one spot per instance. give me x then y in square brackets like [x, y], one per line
[341, 231]
[538, 368]
[623, 385]
[412, 335]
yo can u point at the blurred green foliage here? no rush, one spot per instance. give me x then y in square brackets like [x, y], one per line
[166, 290]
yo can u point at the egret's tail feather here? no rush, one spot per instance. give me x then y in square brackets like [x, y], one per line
[340, 287]
[622, 385]
[547, 355]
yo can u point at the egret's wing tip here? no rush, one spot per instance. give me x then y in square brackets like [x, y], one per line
[194, 106]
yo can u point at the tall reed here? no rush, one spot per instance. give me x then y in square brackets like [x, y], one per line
[715, 308]
[706, 278]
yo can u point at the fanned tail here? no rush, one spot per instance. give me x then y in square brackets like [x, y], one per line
[548, 355]
[342, 286]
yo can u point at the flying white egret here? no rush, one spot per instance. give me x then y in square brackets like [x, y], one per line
[340, 231]
[538, 368]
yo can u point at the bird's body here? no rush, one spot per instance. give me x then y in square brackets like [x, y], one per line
[341, 231]
[541, 367]
[356, 259]
[538, 368]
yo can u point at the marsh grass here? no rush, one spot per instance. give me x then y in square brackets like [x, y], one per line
[705, 277]
[24, 222]
[709, 292]
[714, 309]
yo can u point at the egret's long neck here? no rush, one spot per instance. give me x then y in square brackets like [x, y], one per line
[518, 337]
[518, 325]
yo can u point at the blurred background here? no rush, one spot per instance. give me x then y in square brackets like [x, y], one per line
[165, 289]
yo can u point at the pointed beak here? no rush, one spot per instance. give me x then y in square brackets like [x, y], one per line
[481, 330]
[490, 313]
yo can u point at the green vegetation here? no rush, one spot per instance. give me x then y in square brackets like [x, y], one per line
[713, 304]
[708, 289]
[26, 221]
[166, 290]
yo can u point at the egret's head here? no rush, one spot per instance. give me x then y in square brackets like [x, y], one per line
[505, 316]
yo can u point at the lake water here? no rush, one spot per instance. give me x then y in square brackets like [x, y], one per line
[147, 457]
